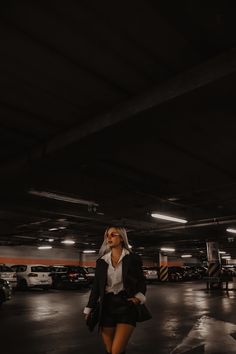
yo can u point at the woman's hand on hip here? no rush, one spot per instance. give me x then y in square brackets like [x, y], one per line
[135, 300]
[86, 316]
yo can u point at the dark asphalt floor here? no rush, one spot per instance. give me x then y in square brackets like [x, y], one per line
[186, 319]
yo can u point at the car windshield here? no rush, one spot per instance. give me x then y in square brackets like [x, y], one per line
[40, 269]
[90, 269]
[76, 269]
[4, 268]
[59, 269]
[149, 268]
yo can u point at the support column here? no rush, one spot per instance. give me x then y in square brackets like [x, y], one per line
[214, 264]
[163, 262]
[81, 258]
[213, 257]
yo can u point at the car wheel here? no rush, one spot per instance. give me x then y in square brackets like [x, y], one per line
[59, 285]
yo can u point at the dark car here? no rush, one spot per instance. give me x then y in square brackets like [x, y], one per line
[5, 290]
[90, 273]
[176, 273]
[68, 277]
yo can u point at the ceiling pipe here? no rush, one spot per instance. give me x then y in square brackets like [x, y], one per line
[200, 223]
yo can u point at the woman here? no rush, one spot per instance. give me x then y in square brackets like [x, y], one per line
[119, 285]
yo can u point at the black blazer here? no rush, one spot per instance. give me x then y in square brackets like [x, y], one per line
[132, 274]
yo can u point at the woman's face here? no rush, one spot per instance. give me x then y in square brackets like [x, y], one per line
[113, 238]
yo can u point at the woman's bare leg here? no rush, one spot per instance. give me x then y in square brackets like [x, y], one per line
[108, 336]
[122, 335]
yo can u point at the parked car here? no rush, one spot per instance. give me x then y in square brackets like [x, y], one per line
[150, 274]
[6, 273]
[90, 273]
[229, 268]
[68, 277]
[226, 274]
[176, 273]
[203, 271]
[193, 273]
[32, 276]
[5, 291]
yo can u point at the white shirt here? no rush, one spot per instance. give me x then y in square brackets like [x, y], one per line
[114, 274]
[114, 278]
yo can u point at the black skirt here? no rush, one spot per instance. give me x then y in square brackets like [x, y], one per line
[117, 309]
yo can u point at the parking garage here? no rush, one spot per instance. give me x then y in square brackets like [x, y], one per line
[118, 114]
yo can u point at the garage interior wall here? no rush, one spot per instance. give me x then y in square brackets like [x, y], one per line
[32, 255]
[55, 256]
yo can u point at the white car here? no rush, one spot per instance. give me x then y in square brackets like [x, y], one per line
[8, 274]
[33, 276]
[150, 274]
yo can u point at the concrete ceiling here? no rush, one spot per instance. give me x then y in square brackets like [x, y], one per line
[129, 107]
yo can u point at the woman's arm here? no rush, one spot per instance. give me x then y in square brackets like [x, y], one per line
[140, 276]
[94, 294]
[141, 282]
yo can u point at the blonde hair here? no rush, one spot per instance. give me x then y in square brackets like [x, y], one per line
[105, 248]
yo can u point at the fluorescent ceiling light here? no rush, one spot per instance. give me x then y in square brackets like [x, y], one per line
[62, 197]
[168, 249]
[222, 252]
[231, 230]
[57, 228]
[51, 240]
[68, 242]
[44, 247]
[226, 257]
[186, 256]
[89, 251]
[169, 218]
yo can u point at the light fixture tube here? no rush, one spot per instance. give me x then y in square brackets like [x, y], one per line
[68, 242]
[169, 218]
[186, 256]
[231, 230]
[168, 249]
[62, 197]
[89, 251]
[44, 247]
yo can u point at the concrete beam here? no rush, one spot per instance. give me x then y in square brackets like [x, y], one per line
[194, 78]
